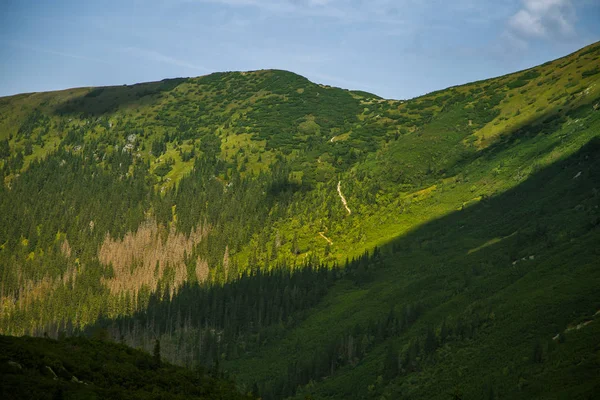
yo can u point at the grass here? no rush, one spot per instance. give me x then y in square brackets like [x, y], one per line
[456, 186]
[529, 301]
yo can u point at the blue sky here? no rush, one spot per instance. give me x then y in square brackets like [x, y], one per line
[394, 48]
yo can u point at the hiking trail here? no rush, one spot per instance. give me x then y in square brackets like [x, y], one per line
[339, 189]
[326, 238]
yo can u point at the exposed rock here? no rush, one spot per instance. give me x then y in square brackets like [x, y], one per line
[15, 365]
[50, 372]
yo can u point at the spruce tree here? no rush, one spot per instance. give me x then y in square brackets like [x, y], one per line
[156, 353]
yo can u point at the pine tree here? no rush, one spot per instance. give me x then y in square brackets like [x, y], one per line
[538, 353]
[255, 391]
[390, 364]
[156, 353]
[430, 341]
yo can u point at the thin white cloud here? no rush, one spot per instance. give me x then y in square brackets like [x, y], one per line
[523, 22]
[346, 84]
[341, 10]
[319, 2]
[543, 19]
[407, 14]
[28, 47]
[162, 58]
[265, 5]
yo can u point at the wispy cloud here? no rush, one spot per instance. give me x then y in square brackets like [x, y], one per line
[346, 83]
[346, 11]
[153, 55]
[28, 47]
[266, 5]
[392, 15]
[543, 19]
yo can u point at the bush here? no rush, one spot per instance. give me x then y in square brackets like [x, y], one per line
[162, 170]
[590, 72]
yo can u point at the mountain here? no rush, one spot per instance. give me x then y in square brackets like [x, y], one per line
[78, 368]
[315, 241]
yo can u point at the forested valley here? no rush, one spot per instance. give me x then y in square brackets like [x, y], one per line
[307, 241]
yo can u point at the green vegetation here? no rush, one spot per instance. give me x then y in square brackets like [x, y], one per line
[488, 299]
[313, 241]
[590, 72]
[78, 368]
[431, 316]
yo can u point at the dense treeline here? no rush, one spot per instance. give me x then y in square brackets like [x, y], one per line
[348, 349]
[62, 210]
[77, 368]
[246, 307]
[208, 324]
[98, 180]
[215, 214]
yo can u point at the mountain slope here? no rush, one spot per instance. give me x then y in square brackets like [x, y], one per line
[462, 303]
[78, 368]
[217, 213]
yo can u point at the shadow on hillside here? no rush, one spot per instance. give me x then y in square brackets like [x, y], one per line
[529, 209]
[203, 323]
[103, 100]
[535, 201]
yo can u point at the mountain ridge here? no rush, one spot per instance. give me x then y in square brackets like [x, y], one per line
[123, 206]
[590, 47]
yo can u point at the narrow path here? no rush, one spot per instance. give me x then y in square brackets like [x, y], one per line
[332, 139]
[339, 189]
[325, 237]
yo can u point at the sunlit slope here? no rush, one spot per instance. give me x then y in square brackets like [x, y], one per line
[234, 171]
[498, 299]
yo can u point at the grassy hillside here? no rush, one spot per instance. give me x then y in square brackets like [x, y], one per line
[77, 368]
[314, 240]
[497, 300]
[500, 298]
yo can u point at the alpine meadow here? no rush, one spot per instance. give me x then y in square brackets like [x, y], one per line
[263, 236]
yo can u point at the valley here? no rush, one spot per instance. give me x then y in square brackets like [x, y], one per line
[308, 241]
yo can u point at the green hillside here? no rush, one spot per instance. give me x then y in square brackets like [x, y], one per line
[77, 368]
[462, 303]
[500, 298]
[312, 240]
